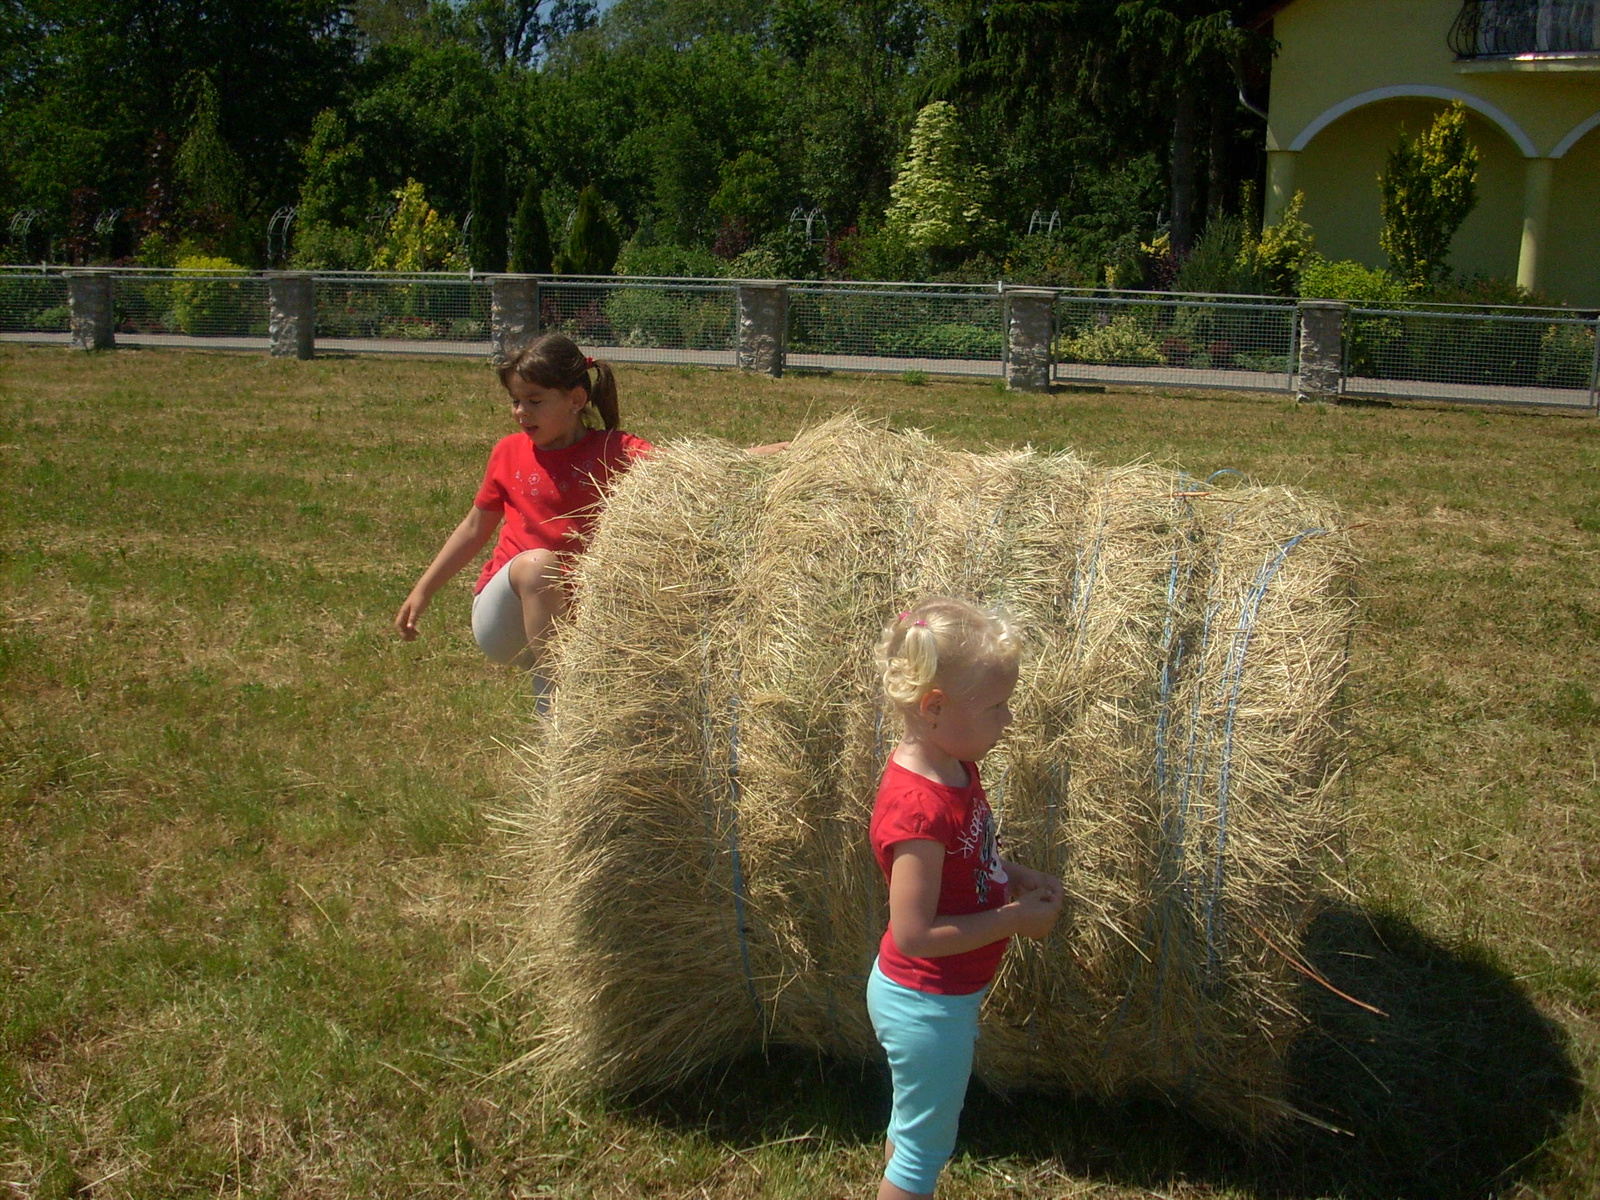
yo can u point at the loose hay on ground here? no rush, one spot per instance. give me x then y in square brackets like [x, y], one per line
[695, 829]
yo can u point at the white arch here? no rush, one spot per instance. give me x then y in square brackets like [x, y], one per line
[1573, 138]
[1427, 91]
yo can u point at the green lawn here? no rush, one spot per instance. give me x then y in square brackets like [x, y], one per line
[252, 911]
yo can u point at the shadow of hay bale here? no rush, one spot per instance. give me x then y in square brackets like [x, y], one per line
[1449, 1097]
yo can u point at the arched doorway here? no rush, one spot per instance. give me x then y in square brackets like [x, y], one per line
[1338, 170]
[1570, 270]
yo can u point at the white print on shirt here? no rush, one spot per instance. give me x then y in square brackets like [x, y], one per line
[979, 838]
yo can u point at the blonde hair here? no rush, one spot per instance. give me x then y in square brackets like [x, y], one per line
[936, 639]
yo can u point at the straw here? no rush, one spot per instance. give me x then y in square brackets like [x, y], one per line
[694, 834]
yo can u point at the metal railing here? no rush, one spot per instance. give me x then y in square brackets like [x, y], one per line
[648, 320]
[1490, 358]
[1512, 28]
[951, 331]
[1523, 356]
[1191, 342]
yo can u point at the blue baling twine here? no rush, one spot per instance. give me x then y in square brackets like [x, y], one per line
[1081, 602]
[1232, 681]
[1171, 660]
[733, 845]
[1169, 666]
[1224, 471]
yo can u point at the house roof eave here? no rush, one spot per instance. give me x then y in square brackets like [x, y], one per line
[1262, 18]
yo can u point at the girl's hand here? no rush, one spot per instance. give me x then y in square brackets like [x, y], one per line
[1026, 879]
[1034, 912]
[408, 616]
[769, 448]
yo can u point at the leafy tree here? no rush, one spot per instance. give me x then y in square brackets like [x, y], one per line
[512, 32]
[592, 242]
[749, 191]
[1282, 251]
[213, 188]
[336, 195]
[1324, 279]
[417, 237]
[97, 88]
[939, 200]
[1429, 187]
[530, 239]
[418, 99]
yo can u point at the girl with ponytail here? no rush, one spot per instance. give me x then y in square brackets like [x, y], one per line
[949, 669]
[547, 481]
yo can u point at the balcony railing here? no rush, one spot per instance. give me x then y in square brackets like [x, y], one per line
[1533, 28]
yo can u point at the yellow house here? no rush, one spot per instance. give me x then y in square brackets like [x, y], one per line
[1351, 73]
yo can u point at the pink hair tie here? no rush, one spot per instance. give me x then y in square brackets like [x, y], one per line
[903, 615]
[587, 362]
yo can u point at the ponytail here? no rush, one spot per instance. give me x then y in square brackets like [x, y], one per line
[934, 640]
[603, 393]
[555, 361]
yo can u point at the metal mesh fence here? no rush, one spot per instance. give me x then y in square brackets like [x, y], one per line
[1515, 356]
[901, 329]
[212, 304]
[407, 312]
[1487, 357]
[33, 303]
[1195, 343]
[645, 321]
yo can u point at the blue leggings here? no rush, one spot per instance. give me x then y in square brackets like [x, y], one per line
[929, 1040]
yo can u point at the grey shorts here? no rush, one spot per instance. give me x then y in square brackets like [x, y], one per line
[497, 619]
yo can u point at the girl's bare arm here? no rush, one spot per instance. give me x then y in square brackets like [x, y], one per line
[460, 548]
[914, 880]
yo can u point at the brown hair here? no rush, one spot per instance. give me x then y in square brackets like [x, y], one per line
[554, 361]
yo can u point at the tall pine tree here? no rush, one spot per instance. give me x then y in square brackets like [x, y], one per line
[487, 195]
[530, 239]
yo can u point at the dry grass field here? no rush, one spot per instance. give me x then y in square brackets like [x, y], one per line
[252, 913]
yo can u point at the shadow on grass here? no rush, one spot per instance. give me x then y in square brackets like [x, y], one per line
[1449, 1097]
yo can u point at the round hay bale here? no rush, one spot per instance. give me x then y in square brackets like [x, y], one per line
[696, 825]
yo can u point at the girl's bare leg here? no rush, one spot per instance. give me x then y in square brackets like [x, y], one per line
[888, 1191]
[537, 579]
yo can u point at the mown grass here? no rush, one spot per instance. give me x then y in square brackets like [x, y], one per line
[251, 912]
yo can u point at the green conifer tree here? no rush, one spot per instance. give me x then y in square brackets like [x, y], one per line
[530, 238]
[939, 200]
[1429, 187]
[487, 196]
[592, 244]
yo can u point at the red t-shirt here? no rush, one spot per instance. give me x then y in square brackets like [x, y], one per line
[550, 497]
[911, 807]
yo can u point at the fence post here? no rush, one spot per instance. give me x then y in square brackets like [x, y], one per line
[92, 318]
[1029, 319]
[513, 314]
[1321, 365]
[291, 314]
[763, 326]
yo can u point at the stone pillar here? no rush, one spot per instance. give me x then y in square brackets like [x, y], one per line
[1030, 321]
[763, 326]
[1321, 357]
[1535, 218]
[1280, 184]
[291, 314]
[89, 299]
[513, 315]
